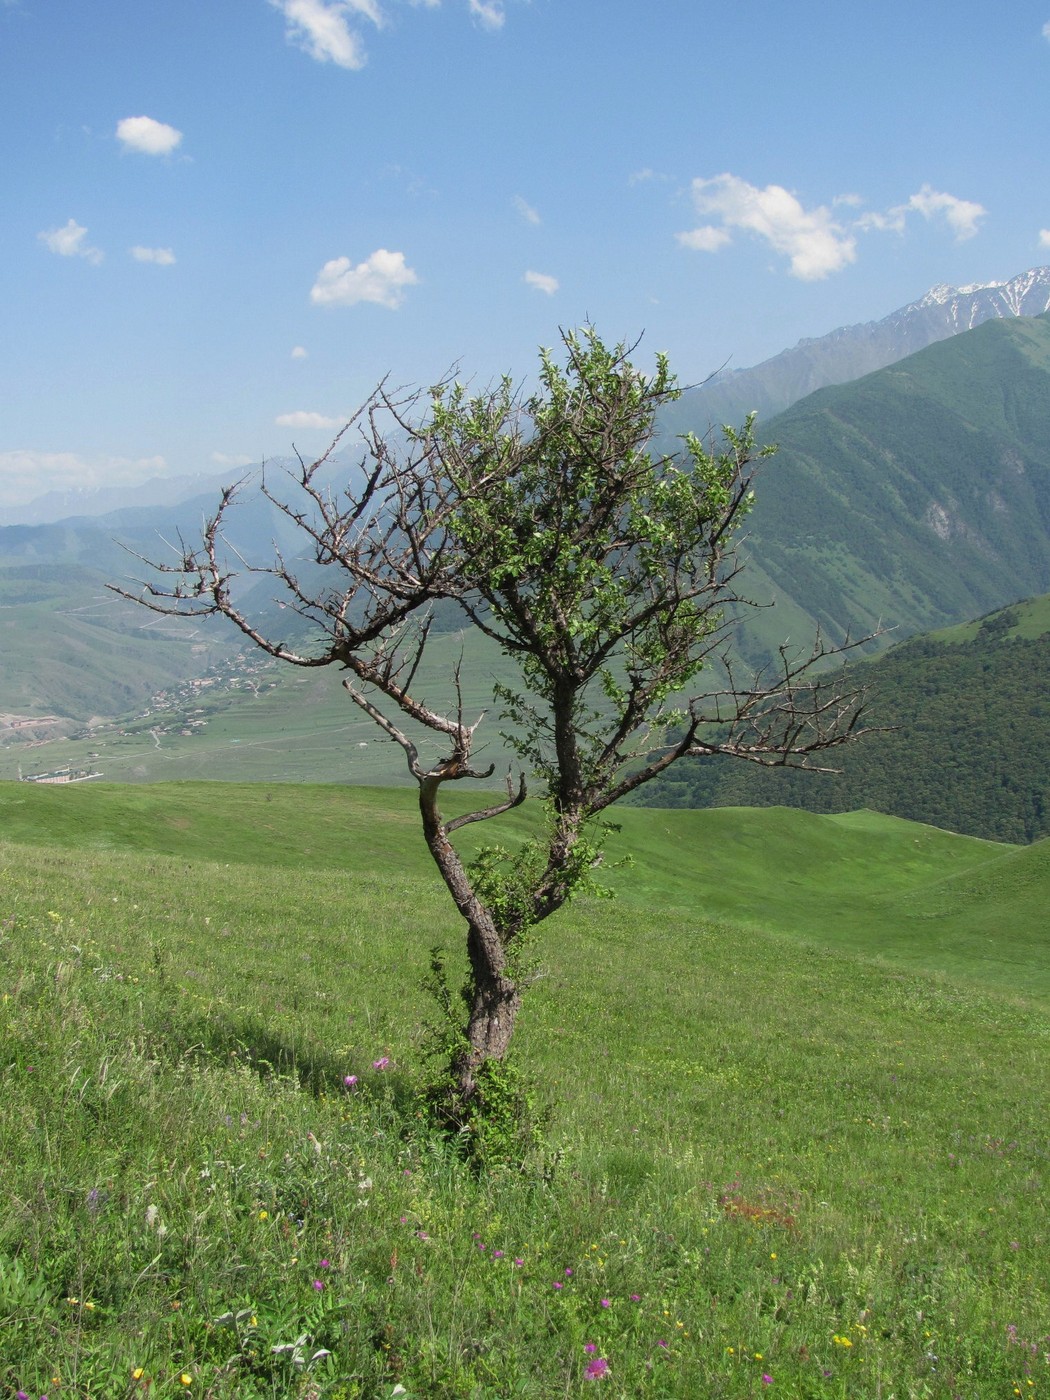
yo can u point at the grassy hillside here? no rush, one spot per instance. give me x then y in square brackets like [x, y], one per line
[804, 1133]
[968, 746]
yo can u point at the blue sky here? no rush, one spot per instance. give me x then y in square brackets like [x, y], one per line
[222, 221]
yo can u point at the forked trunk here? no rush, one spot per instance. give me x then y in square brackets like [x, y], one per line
[496, 998]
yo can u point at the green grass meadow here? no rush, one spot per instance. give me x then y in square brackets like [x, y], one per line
[796, 1071]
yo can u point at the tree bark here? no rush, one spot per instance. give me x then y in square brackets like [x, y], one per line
[496, 998]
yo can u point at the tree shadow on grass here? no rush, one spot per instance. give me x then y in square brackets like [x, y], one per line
[246, 1042]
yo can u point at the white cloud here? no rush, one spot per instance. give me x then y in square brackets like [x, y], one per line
[381, 278]
[163, 257]
[705, 239]
[68, 242]
[962, 215]
[299, 352]
[321, 28]
[224, 459]
[26, 474]
[1046, 30]
[151, 138]
[812, 239]
[542, 282]
[489, 13]
[302, 419]
[1044, 238]
[526, 210]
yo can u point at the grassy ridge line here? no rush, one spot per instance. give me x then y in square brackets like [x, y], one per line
[888, 1131]
[871, 885]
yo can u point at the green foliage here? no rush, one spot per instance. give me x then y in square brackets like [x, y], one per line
[596, 563]
[503, 1125]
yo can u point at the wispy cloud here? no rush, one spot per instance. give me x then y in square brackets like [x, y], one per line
[1044, 238]
[70, 241]
[26, 474]
[542, 282]
[226, 459]
[149, 137]
[962, 215]
[322, 28]
[814, 241]
[303, 419]
[1046, 31]
[299, 352]
[526, 210]
[163, 257]
[381, 278]
[488, 13]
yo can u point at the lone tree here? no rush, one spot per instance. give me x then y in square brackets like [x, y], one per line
[603, 571]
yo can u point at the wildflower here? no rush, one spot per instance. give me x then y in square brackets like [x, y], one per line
[185, 1378]
[767, 1379]
[519, 1263]
[606, 1303]
[841, 1341]
[590, 1347]
[381, 1063]
[665, 1345]
[324, 1264]
[318, 1284]
[264, 1215]
[497, 1254]
[597, 1369]
[137, 1374]
[350, 1080]
[636, 1297]
[558, 1283]
[568, 1273]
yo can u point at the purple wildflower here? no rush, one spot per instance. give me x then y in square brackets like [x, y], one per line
[590, 1347]
[318, 1284]
[767, 1379]
[606, 1302]
[558, 1283]
[350, 1080]
[381, 1063]
[636, 1297]
[595, 1370]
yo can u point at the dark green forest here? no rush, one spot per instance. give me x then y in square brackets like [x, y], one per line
[966, 745]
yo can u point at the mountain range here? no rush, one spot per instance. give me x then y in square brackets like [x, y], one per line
[914, 497]
[852, 351]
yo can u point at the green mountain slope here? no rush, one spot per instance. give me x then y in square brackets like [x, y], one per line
[968, 747]
[919, 495]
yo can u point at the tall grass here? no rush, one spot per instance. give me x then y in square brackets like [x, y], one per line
[780, 1163]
